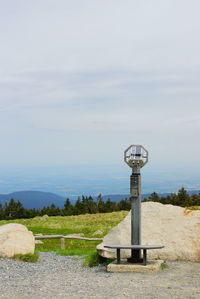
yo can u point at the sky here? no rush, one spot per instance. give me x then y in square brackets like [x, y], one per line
[82, 80]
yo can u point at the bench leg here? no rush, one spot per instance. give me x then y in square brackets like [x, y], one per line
[144, 257]
[118, 255]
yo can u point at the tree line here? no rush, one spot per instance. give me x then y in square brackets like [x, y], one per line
[83, 205]
[87, 205]
[182, 199]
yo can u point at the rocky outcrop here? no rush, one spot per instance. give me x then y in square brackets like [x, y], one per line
[15, 239]
[174, 227]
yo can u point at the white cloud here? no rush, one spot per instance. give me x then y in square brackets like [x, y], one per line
[81, 80]
[99, 34]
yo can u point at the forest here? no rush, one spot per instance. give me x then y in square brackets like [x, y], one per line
[87, 205]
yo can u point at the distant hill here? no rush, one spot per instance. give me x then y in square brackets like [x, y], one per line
[34, 199]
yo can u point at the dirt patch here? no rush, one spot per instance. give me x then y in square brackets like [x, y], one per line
[187, 213]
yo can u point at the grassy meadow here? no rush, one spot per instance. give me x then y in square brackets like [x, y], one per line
[91, 225]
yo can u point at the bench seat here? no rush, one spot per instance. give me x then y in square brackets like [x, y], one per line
[134, 247]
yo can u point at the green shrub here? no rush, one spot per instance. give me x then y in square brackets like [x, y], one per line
[94, 259]
[29, 258]
[193, 208]
[164, 266]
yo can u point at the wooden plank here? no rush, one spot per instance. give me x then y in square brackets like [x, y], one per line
[66, 237]
[48, 237]
[133, 247]
[83, 238]
[62, 243]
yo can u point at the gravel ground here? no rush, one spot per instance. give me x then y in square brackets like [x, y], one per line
[63, 277]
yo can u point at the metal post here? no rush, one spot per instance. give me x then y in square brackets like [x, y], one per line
[136, 157]
[118, 255]
[135, 191]
[135, 208]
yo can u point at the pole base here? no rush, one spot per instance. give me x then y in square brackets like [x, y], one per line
[152, 267]
[135, 260]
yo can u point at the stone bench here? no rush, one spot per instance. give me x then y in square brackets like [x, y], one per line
[133, 247]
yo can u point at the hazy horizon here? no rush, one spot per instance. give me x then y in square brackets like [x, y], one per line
[104, 179]
[82, 80]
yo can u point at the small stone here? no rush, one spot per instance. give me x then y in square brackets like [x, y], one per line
[38, 242]
[44, 217]
[98, 232]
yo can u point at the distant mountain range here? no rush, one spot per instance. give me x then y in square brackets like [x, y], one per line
[34, 199]
[39, 199]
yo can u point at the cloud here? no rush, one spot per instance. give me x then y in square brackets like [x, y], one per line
[80, 81]
[98, 35]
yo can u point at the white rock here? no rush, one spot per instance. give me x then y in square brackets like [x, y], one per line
[174, 227]
[15, 239]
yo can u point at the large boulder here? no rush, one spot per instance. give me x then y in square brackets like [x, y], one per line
[174, 227]
[15, 239]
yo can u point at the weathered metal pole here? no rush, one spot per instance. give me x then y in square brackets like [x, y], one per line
[136, 157]
[135, 192]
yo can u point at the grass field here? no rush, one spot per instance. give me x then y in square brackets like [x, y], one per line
[88, 225]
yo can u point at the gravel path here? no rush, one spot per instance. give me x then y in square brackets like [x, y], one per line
[63, 277]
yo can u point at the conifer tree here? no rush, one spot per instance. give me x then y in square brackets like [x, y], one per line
[68, 208]
[14, 210]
